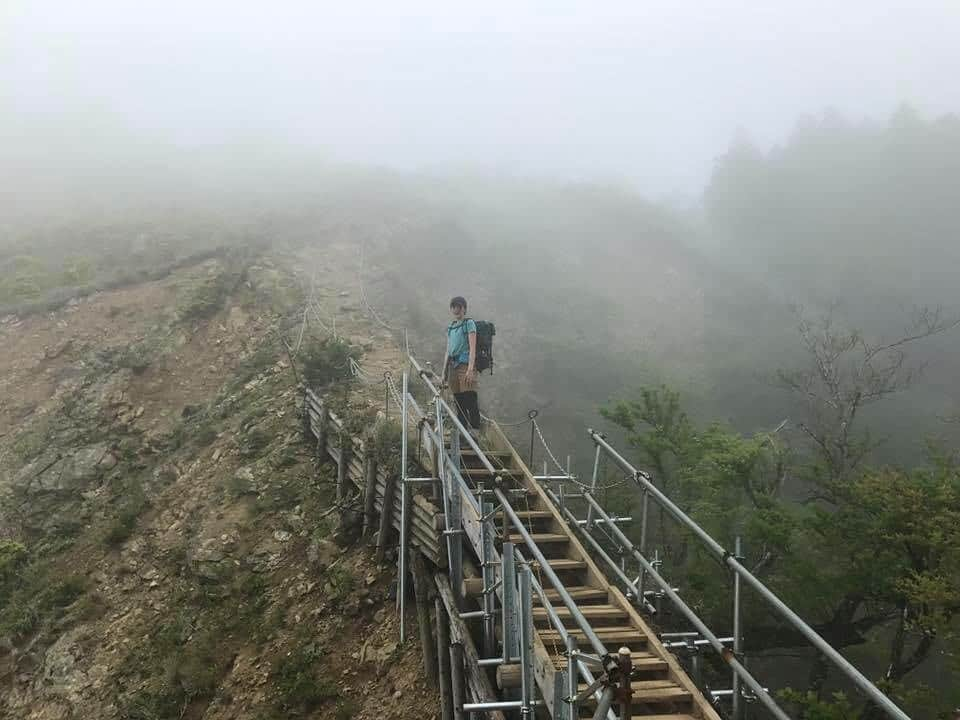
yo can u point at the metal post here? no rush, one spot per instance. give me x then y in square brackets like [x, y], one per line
[737, 639]
[695, 668]
[486, 570]
[404, 501]
[658, 602]
[455, 548]
[508, 589]
[643, 536]
[593, 486]
[526, 643]
[572, 710]
[533, 429]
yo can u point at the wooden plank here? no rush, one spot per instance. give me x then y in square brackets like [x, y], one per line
[595, 612]
[563, 564]
[577, 592]
[653, 691]
[540, 538]
[612, 634]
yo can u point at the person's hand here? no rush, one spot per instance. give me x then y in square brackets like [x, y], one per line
[471, 378]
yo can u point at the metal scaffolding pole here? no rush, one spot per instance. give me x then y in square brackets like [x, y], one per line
[508, 598]
[545, 568]
[526, 643]
[593, 484]
[487, 572]
[404, 510]
[737, 637]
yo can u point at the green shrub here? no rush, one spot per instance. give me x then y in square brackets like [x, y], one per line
[137, 357]
[342, 582]
[37, 596]
[205, 298]
[327, 361]
[133, 503]
[255, 443]
[12, 556]
[296, 684]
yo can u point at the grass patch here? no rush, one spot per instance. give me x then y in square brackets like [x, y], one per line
[342, 582]
[255, 443]
[296, 684]
[133, 503]
[36, 594]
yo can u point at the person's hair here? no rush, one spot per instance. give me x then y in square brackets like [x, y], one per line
[458, 302]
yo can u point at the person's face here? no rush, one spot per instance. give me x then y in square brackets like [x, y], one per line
[458, 311]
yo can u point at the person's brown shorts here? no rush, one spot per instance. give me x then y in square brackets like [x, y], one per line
[457, 378]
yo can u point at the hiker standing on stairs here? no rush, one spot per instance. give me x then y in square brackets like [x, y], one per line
[460, 363]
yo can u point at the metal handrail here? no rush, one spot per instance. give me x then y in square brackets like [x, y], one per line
[729, 559]
[582, 668]
[545, 568]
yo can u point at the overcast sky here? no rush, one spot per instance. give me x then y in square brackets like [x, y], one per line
[648, 91]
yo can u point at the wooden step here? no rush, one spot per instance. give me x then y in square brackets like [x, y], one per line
[645, 661]
[591, 612]
[469, 451]
[579, 593]
[651, 692]
[607, 635]
[530, 492]
[540, 538]
[482, 472]
[534, 514]
[562, 564]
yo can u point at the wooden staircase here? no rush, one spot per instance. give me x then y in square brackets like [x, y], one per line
[661, 690]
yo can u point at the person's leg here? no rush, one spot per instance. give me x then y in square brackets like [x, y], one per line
[462, 404]
[472, 407]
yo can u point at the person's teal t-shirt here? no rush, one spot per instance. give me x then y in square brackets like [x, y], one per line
[458, 340]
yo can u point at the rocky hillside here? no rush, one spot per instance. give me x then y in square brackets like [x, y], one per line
[168, 546]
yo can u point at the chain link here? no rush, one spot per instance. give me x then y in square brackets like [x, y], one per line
[546, 447]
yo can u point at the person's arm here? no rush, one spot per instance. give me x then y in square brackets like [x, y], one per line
[472, 339]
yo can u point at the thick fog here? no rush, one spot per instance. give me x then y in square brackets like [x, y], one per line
[643, 92]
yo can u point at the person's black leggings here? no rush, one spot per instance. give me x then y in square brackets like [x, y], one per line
[468, 409]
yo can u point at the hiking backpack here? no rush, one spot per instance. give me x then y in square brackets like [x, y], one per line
[485, 332]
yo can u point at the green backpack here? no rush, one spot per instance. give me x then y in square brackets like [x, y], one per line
[485, 332]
